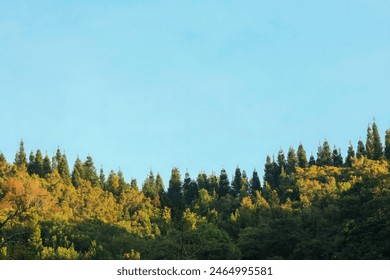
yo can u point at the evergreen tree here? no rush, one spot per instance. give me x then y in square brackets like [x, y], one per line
[90, 173]
[20, 157]
[46, 166]
[159, 184]
[302, 158]
[237, 182]
[224, 184]
[244, 185]
[175, 194]
[312, 161]
[31, 164]
[134, 184]
[102, 178]
[281, 161]
[324, 157]
[377, 143]
[271, 172]
[370, 143]
[387, 145]
[149, 186]
[337, 159]
[291, 161]
[112, 183]
[63, 169]
[39, 164]
[203, 182]
[213, 184]
[350, 156]
[78, 173]
[190, 189]
[255, 183]
[122, 182]
[360, 150]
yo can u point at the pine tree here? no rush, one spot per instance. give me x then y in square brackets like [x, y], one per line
[377, 143]
[302, 158]
[213, 184]
[387, 145]
[38, 164]
[134, 184]
[149, 186]
[281, 161]
[190, 189]
[175, 194]
[271, 172]
[255, 183]
[122, 182]
[370, 143]
[324, 157]
[224, 184]
[237, 182]
[337, 159]
[46, 166]
[360, 149]
[31, 164]
[90, 173]
[312, 161]
[78, 173]
[291, 161]
[112, 183]
[159, 184]
[102, 178]
[20, 157]
[63, 169]
[350, 156]
[244, 191]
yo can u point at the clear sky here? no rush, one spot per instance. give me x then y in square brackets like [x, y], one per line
[198, 85]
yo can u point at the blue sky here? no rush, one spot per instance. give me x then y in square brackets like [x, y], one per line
[199, 85]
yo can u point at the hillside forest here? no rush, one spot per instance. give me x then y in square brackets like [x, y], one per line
[327, 206]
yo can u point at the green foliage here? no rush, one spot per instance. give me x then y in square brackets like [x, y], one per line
[320, 209]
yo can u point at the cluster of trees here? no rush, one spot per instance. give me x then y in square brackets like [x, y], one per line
[326, 207]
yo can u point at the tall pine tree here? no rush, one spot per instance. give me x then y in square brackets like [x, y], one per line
[20, 157]
[377, 143]
[255, 183]
[387, 145]
[302, 158]
[350, 156]
[370, 143]
[292, 161]
[175, 194]
[360, 149]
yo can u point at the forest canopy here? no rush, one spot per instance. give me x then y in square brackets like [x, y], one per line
[323, 207]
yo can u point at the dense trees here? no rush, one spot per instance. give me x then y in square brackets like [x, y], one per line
[324, 208]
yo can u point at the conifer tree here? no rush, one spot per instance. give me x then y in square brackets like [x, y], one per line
[369, 143]
[159, 184]
[102, 178]
[377, 143]
[271, 172]
[291, 161]
[149, 186]
[360, 149]
[350, 156]
[302, 158]
[203, 182]
[46, 166]
[31, 164]
[387, 145]
[90, 171]
[255, 182]
[224, 184]
[312, 160]
[77, 173]
[175, 194]
[237, 182]
[122, 182]
[20, 157]
[190, 189]
[213, 184]
[112, 183]
[244, 191]
[63, 169]
[134, 184]
[38, 164]
[324, 157]
[337, 158]
[281, 161]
